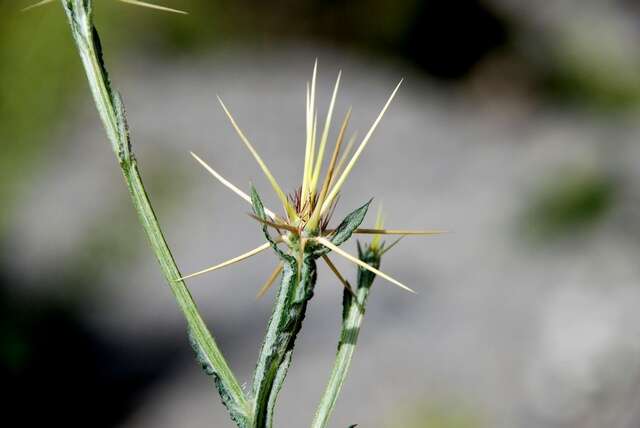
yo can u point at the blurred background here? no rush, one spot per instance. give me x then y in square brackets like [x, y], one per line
[516, 128]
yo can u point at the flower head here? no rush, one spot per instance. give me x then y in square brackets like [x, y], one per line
[304, 225]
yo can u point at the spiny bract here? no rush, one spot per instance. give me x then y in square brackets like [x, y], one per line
[308, 210]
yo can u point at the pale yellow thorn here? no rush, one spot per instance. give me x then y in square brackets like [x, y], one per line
[308, 104]
[276, 187]
[339, 251]
[337, 273]
[33, 6]
[375, 242]
[347, 152]
[306, 183]
[132, 2]
[306, 190]
[312, 99]
[356, 155]
[325, 134]
[307, 146]
[153, 6]
[303, 244]
[393, 244]
[230, 185]
[399, 232]
[315, 217]
[310, 188]
[277, 226]
[379, 218]
[267, 285]
[229, 262]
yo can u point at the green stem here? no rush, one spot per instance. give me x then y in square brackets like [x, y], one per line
[296, 289]
[353, 314]
[112, 113]
[284, 325]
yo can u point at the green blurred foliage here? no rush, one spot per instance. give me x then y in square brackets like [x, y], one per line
[593, 73]
[36, 75]
[438, 415]
[14, 346]
[40, 76]
[569, 201]
[384, 23]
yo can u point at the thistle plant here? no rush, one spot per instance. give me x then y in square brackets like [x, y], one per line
[300, 236]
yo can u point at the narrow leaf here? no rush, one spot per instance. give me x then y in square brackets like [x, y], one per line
[350, 224]
[258, 209]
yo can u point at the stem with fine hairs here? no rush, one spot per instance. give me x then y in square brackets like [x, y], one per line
[112, 114]
[353, 309]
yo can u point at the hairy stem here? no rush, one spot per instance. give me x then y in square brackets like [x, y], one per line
[298, 282]
[296, 289]
[112, 114]
[352, 316]
[285, 324]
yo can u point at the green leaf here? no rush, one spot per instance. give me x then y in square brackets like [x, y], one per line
[258, 206]
[344, 231]
[349, 224]
[258, 209]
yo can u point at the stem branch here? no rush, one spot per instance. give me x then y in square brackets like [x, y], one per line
[352, 317]
[112, 114]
